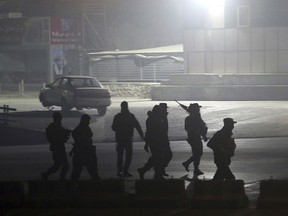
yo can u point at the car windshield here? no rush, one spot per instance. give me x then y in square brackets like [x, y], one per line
[56, 83]
[85, 82]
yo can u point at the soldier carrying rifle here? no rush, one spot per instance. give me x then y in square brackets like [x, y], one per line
[182, 105]
[196, 128]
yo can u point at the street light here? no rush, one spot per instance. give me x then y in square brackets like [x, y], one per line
[210, 3]
[214, 10]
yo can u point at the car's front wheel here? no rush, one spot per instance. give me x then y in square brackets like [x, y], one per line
[102, 110]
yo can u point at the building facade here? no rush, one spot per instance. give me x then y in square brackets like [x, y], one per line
[236, 36]
[41, 40]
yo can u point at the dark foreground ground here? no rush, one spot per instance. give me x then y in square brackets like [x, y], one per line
[143, 212]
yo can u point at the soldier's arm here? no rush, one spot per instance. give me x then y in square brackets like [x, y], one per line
[186, 124]
[114, 123]
[138, 128]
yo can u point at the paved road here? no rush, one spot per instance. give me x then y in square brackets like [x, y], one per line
[256, 119]
[261, 138]
[255, 159]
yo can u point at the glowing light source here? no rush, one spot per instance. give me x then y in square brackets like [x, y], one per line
[210, 3]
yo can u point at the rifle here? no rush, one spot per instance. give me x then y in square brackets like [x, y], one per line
[182, 105]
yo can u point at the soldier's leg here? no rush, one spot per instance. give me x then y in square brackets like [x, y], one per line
[120, 151]
[128, 157]
[77, 167]
[57, 162]
[167, 155]
[65, 166]
[95, 160]
[157, 162]
[228, 173]
[190, 159]
[197, 151]
[147, 166]
[92, 169]
[219, 175]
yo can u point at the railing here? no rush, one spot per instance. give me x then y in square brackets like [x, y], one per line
[4, 117]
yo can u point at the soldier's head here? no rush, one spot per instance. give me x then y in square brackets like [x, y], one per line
[229, 123]
[163, 107]
[124, 106]
[85, 119]
[194, 108]
[156, 110]
[57, 117]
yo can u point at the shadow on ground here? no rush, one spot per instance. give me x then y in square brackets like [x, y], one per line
[45, 114]
[11, 136]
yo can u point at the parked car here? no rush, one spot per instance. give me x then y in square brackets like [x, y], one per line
[76, 91]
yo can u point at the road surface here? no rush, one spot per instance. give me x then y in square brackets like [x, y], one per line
[261, 138]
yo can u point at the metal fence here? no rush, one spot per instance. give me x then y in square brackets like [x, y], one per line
[20, 88]
[126, 70]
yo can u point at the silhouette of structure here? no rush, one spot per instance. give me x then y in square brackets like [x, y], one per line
[223, 146]
[84, 152]
[196, 128]
[57, 136]
[123, 125]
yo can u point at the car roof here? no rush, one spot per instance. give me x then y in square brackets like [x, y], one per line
[77, 77]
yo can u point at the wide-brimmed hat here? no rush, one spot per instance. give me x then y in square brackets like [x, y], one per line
[194, 106]
[163, 105]
[229, 121]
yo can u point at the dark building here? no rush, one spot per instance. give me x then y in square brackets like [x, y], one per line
[43, 39]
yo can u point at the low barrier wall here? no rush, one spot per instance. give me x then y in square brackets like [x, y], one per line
[112, 193]
[123, 89]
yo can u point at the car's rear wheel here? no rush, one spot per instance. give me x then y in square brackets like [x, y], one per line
[102, 110]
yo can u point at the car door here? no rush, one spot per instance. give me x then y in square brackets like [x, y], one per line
[56, 91]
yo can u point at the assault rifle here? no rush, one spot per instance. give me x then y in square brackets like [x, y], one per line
[182, 105]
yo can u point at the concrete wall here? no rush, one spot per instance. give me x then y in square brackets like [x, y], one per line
[141, 90]
[227, 79]
[219, 93]
[237, 50]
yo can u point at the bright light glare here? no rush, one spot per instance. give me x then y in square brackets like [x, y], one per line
[210, 3]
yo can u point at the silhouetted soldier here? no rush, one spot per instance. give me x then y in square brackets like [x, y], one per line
[149, 164]
[167, 153]
[196, 128]
[123, 125]
[155, 133]
[57, 135]
[223, 147]
[84, 152]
